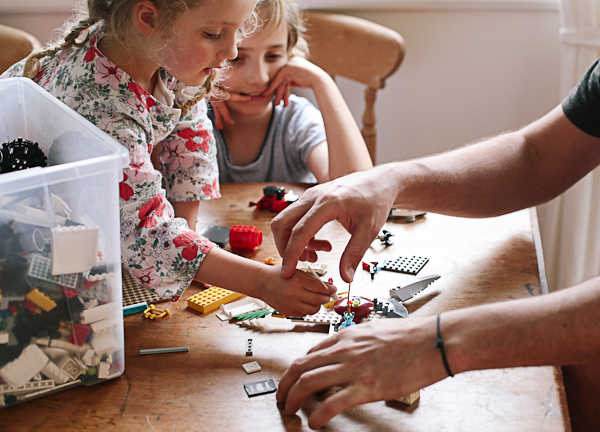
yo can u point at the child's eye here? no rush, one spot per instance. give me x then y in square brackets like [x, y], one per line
[274, 57]
[212, 35]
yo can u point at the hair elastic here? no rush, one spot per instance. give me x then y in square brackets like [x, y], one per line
[439, 343]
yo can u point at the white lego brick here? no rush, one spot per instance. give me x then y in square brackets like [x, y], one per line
[324, 316]
[104, 343]
[29, 387]
[98, 326]
[249, 304]
[90, 358]
[70, 367]
[103, 370]
[99, 313]
[4, 337]
[318, 268]
[251, 367]
[74, 248]
[53, 372]
[21, 370]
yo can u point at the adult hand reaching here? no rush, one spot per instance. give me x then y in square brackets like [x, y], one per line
[360, 202]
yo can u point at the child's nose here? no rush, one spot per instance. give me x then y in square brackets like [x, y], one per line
[229, 50]
[258, 74]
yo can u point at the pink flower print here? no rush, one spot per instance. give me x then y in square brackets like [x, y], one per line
[196, 140]
[125, 191]
[92, 52]
[140, 168]
[175, 155]
[154, 208]
[147, 277]
[212, 191]
[142, 95]
[108, 72]
[187, 240]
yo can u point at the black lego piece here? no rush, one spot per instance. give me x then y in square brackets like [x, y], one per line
[410, 265]
[260, 388]
[219, 235]
[21, 154]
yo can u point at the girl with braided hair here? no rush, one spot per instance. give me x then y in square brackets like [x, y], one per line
[139, 70]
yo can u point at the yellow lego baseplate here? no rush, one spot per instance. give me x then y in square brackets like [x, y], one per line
[211, 298]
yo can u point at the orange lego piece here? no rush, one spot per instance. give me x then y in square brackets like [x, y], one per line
[153, 312]
[211, 298]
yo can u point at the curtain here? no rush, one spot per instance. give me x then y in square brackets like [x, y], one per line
[570, 224]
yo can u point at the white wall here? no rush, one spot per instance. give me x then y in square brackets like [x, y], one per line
[473, 68]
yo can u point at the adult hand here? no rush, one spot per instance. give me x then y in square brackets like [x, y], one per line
[360, 202]
[374, 361]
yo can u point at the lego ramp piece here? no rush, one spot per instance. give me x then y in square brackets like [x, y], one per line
[244, 306]
[74, 248]
[211, 298]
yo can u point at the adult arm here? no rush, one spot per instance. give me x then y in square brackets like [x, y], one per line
[389, 359]
[345, 151]
[502, 174]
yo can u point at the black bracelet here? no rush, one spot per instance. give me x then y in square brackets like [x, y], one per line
[439, 343]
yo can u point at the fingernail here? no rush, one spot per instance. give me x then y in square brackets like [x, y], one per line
[350, 272]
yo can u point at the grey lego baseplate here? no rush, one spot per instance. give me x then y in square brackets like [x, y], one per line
[134, 293]
[39, 268]
[410, 265]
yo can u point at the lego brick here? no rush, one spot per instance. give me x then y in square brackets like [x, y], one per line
[318, 268]
[324, 316]
[411, 265]
[219, 235]
[40, 299]
[244, 237]
[53, 372]
[39, 268]
[251, 367]
[98, 313]
[74, 248]
[21, 370]
[211, 298]
[70, 367]
[249, 304]
[29, 387]
[260, 388]
[411, 398]
[80, 334]
[134, 308]
[249, 348]
[103, 370]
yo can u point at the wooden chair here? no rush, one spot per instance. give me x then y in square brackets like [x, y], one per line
[357, 49]
[15, 45]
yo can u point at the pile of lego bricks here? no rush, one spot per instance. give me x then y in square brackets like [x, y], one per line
[60, 325]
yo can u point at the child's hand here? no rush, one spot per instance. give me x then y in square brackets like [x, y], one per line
[219, 107]
[300, 295]
[298, 72]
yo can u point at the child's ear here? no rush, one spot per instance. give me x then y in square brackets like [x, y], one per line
[145, 16]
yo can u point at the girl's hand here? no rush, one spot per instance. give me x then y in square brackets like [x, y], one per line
[300, 295]
[298, 72]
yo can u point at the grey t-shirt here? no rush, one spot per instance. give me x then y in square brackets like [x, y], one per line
[582, 105]
[294, 131]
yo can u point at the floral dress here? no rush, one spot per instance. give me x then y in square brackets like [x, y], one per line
[159, 250]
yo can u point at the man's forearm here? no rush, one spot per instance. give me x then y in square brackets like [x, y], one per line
[555, 329]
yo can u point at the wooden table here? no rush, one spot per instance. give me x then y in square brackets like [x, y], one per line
[480, 261]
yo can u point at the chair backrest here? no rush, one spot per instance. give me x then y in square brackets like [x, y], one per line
[15, 45]
[357, 49]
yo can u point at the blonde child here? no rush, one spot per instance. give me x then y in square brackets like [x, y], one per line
[259, 140]
[139, 70]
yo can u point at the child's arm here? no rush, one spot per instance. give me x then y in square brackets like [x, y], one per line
[300, 295]
[345, 151]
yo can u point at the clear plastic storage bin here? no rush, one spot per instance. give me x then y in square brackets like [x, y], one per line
[61, 320]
